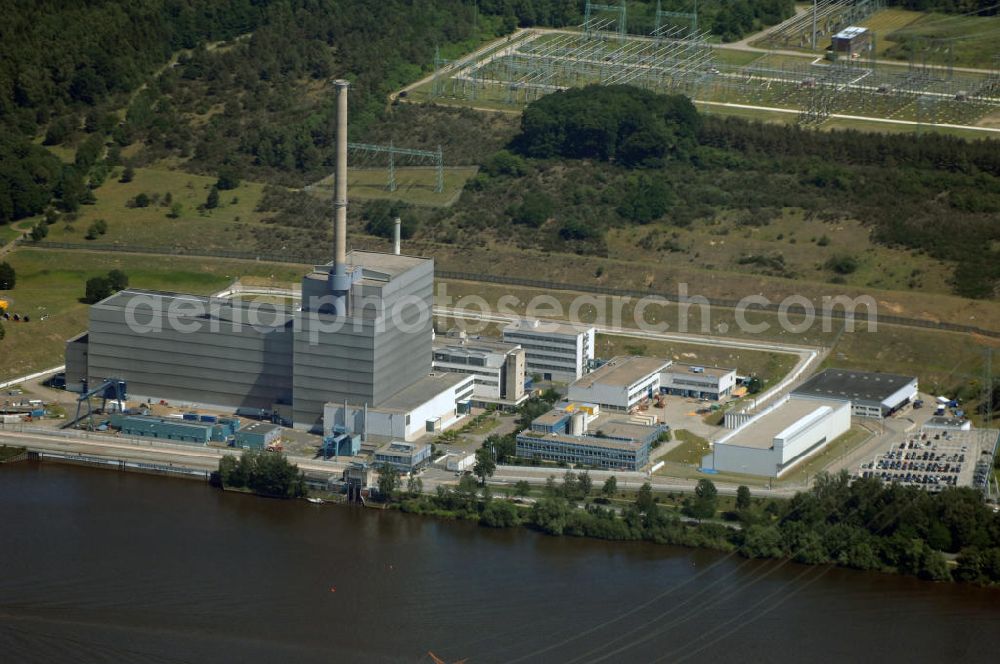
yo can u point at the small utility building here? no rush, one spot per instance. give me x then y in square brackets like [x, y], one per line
[851, 41]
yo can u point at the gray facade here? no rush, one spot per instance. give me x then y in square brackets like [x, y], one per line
[382, 346]
[76, 362]
[193, 349]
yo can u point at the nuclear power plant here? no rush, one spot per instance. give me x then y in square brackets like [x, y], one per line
[356, 353]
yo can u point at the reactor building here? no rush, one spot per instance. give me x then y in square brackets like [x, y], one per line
[355, 355]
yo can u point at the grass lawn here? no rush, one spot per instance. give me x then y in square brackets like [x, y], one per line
[7, 233]
[973, 38]
[835, 451]
[413, 185]
[691, 450]
[52, 282]
[9, 452]
[220, 228]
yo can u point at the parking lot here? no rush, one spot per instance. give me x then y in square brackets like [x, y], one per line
[933, 459]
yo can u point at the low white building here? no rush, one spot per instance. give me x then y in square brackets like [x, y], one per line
[871, 394]
[555, 351]
[430, 405]
[460, 461]
[780, 436]
[699, 382]
[498, 368]
[621, 383]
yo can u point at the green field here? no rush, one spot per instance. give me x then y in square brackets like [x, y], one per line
[901, 33]
[50, 283]
[691, 451]
[413, 185]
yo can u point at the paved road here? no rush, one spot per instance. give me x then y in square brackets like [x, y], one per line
[143, 451]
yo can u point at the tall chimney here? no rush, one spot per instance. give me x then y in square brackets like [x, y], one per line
[395, 236]
[339, 281]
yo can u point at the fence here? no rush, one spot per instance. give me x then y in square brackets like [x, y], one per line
[722, 303]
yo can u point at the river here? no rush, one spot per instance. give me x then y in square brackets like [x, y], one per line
[99, 566]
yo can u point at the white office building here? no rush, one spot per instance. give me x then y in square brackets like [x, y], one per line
[620, 384]
[699, 382]
[555, 351]
[779, 437]
[498, 368]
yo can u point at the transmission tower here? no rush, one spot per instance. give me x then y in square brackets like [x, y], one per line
[620, 10]
[669, 18]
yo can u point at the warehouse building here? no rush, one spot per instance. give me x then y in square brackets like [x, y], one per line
[498, 368]
[687, 380]
[621, 383]
[257, 436]
[777, 438]
[555, 351]
[871, 394]
[169, 429]
[574, 436]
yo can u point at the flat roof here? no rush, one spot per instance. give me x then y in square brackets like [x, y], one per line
[622, 370]
[475, 344]
[546, 327]
[846, 384]
[422, 391]
[850, 32]
[551, 417]
[202, 306]
[760, 433]
[718, 372]
[259, 427]
[400, 447]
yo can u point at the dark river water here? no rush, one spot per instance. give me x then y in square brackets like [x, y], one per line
[97, 566]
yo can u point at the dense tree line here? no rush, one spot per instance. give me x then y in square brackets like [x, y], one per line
[862, 525]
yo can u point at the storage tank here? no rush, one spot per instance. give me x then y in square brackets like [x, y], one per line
[578, 424]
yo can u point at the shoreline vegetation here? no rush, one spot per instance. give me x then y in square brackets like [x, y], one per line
[863, 524]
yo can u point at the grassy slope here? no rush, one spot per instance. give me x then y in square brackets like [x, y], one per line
[52, 283]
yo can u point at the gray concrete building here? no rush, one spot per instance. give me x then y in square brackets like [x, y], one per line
[381, 345]
[188, 348]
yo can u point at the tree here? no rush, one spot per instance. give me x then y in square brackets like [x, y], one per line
[388, 481]
[705, 500]
[99, 227]
[586, 484]
[742, 498]
[39, 232]
[644, 500]
[610, 487]
[414, 486]
[175, 210]
[141, 200]
[499, 514]
[8, 277]
[128, 174]
[117, 280]
[485, 466]
[522, 489]
[98, 288]
[213, 199]
[228, 179]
